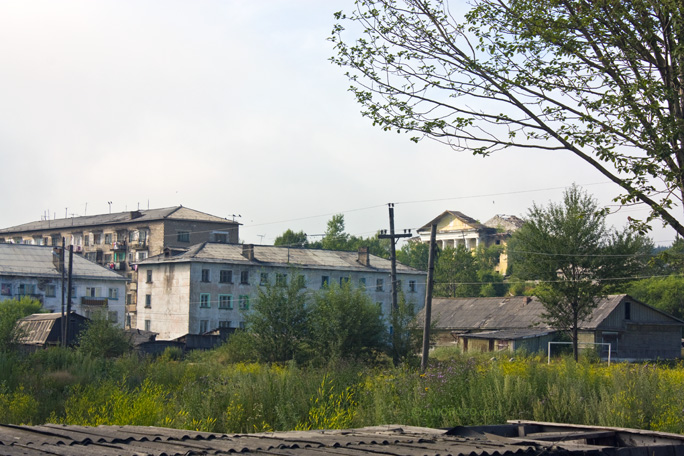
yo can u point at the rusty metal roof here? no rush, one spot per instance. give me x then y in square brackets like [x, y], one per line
[118, 218]
[268, 255]
[512, 312]
[522, 438]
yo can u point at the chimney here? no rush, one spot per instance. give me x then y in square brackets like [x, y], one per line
[57, 258]
[527, 300]
[364, 258]
[248, 251]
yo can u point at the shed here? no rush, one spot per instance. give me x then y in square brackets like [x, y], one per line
[44, 330]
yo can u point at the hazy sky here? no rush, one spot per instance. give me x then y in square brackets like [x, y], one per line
[228, 107]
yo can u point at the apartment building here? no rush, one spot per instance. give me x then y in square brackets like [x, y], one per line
[119, 241]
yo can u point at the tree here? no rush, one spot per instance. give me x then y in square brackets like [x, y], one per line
[291, 239]
[279, 320]
[346, 323]
[664, 293]
[600, 79]
[103, 339]
[414, 254]
[568, 248]
[456, 273]
[11, 310]
[335, 238]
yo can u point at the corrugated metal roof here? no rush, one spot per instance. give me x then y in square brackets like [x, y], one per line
[514, 312]
[525, 438]
[174, 213]
[280, 256]
[37, 261]
[511, 334]
[36, 329]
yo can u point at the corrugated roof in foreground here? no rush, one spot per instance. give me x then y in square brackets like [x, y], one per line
[268, 255]
[523, 438]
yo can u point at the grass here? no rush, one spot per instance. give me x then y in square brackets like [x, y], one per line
[205, 392]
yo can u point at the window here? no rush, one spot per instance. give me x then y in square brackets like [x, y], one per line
[204, 326]
[129, 299]
[91, 256]
[226, 276]
[113, 293]
[205, 275]
[281, 280]
[148, 301]
[93, 292]
[242, 325]
[204, 301]
[86, 240]
[221, 237]
[119, 256]
[263, 279]
[183, 236]
[379, 285]
[50, 291]
[243, 302]
[6, 289]
[628, 310]
[412, 286]
[149, 276]
[224, 324]
[344, 280]
[109, 238]
[225, 301]
[244, 277]
[148, 325]
[300, 280]
[26, 289]
[325, 281]
[113, 316]
[362, 283]
[97, 239]
[141, 256]
[108, 258]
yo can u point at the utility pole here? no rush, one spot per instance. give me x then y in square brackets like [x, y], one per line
[428, 297]
[62, 271]
[393, 252]
[68, 304]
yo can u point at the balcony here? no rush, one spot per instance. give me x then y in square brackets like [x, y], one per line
[119, 245]
[91, 301]
[120, 266]
[131, 308]
[138, 244]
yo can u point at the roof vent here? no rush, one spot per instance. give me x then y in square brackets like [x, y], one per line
[248, 251]
[136, 214]
[364, 257]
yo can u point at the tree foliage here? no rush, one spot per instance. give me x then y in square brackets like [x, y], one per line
[279, 321]
[292, 239]
[11, 310]
[600, 79]
[103, 339]
[569, 249]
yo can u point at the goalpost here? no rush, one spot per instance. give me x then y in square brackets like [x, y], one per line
[578, 343]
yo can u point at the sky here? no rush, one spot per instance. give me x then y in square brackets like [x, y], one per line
[231, 108]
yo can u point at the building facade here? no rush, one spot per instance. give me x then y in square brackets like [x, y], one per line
[212, 285]
[121, 240]
[457, 229]
[36, 272]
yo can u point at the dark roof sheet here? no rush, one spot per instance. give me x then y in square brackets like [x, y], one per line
[280, 256]
[172, 213]
[524, 438]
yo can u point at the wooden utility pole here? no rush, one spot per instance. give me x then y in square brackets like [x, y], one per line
[393, 253]
[68, 304]
[62, 271]
[428, 297]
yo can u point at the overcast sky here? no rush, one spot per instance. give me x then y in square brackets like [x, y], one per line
[228, 107]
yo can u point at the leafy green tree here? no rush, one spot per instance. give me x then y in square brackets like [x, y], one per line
[335, 238]
[11, 310]
[103, 339]
[568, 248]
[292, 239]
[346, 323]
[600, 79]
[279, 320]
[664, 293]
[405, 337]
[414, 254]
[456, 273]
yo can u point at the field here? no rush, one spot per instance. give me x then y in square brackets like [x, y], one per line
[205, 392]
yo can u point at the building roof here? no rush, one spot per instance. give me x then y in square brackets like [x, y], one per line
[38, 261]
[36, 329]
[512, 334]
[522, 438]
[268, 255]
[118, 218]
[505, 222]
[514, 312]
[455, 214]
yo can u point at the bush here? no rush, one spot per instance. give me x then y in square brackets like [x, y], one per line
[104, 340]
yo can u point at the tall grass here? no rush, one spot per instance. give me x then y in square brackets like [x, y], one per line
[206, 392]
